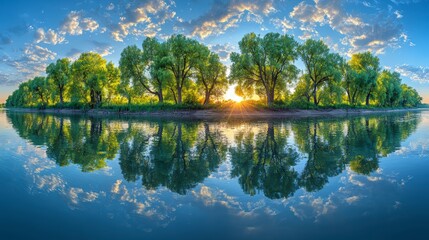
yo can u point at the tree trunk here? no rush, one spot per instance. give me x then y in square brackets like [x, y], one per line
[174, 95]
[92, 96]
[61, 97]
[207, 98]
[270, 97]
[179, 95]
[315, 96]
[367, 99]
[349, 97]
[160, 96]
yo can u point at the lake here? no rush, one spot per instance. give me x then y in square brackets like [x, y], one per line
[80, 177]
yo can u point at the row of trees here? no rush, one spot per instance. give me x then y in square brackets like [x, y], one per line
[183, 70]
[179, 155]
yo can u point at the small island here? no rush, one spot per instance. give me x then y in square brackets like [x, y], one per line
[182, 76]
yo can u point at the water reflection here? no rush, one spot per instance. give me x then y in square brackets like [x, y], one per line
[179, 155]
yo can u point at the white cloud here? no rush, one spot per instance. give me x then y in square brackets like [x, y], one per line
[418, 74]
[142, 14]
[368, 32]
[89, 24]
[223, 50]
[71, 24]
[398, 14]
[74, 24]
[284, 24]
[225, 15]
[32, 62]
[49, 37]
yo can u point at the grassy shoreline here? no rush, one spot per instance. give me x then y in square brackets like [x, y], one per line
[237, 110]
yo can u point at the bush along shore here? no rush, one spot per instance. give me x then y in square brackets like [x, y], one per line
[183, 74]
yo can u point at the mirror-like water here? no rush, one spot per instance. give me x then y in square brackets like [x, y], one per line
[69, 177]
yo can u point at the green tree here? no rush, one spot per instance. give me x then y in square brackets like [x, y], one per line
[89, 78]
[39, 87]
[302, 89]
[367, 67]
[321, 66]
[59, 74]
[22, 97]
[153, 53]
[388, 91]
[350, 83]
[264, 63]
[180, 57]
[211, 75]
[410, 97]
[113, 76]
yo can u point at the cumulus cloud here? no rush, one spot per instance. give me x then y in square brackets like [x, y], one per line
[227, 14]
[374, 32]
[49, 37]
[142, 13]
[35, 53]
[223, 50]
[284, 24]
[89, 24]
[418, 74]
[32, 62]
[75, 24]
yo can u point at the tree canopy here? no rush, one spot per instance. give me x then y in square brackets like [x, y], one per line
[182, 70]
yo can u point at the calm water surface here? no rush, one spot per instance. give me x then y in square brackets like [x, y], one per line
[115, 178]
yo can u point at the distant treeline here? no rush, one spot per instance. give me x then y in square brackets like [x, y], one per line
[182, 70]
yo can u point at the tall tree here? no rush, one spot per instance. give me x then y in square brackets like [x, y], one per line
[59, 75]
[153, 52]
[89, 77]
[410, 97]
[182, 54]
[211, 75]
[39, 87]
[320, 65]
[264, 63]
[350, 83]
[367, 66]
[134, 65]
[303, 89]
[113, 76]
[388, 91]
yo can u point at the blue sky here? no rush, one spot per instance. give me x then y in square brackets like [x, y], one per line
[35, 33]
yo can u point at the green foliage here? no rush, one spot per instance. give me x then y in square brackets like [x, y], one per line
[181, 55]
[59, 75]
[321, 66]
[388, 91]
[89, 76]
[367, 67]
[185, 72]
[211, 75]
[264, 65]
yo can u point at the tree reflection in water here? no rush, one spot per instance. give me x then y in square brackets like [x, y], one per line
[180, 154]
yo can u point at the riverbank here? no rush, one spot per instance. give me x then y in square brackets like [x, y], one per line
[236, 112]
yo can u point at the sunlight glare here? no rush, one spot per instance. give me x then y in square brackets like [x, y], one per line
[230, 95]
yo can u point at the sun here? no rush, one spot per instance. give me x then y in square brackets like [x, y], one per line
[230, 95]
